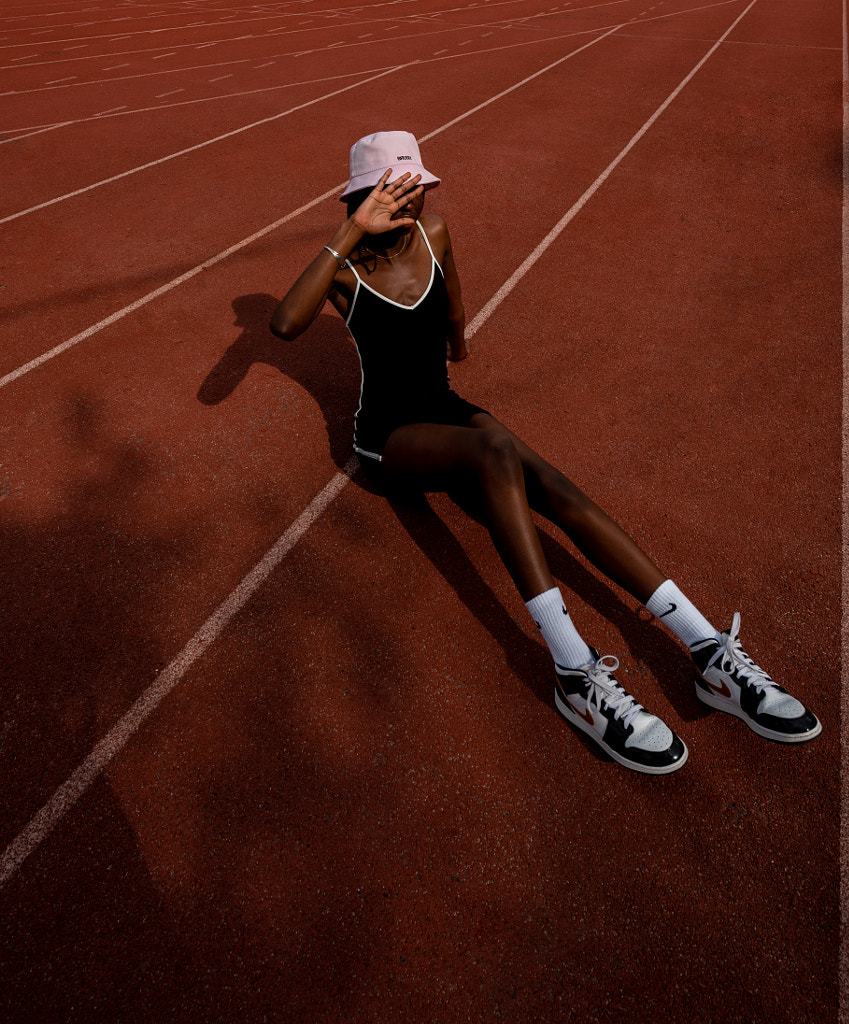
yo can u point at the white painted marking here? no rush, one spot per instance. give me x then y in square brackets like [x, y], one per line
[67, 795]
[200, 145]
[518, 85]
[104, 323]
[843, 951]
[29, 56]
[120, 314]
[417, 36]
[220, 78]
[576, 208]
[162, 290]
[268, 65]
[112, 67]
[40, 131]
[155, 31]
[57, 80]
[160, 56]
[111, 110]
[172, 93]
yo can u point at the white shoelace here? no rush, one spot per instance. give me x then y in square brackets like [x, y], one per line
[732, 657]
[604, 688]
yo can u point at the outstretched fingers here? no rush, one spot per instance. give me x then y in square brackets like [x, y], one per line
[377, 213]
[402, 189]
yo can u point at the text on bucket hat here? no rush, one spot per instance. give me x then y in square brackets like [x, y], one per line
[373, 154]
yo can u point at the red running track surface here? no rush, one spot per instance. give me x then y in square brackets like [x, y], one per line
[346, 795]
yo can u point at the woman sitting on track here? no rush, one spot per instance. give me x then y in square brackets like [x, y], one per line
[390, 272]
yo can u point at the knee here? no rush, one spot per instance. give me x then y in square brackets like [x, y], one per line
[496, 455]
[563, 497]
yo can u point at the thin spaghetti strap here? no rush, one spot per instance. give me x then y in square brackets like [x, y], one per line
[427, 243]
[360, 281]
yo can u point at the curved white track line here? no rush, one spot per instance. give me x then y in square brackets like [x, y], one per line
[202, 145]
[170, 285]
[67, 795]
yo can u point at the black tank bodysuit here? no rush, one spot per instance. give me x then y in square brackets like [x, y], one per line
[402, 358]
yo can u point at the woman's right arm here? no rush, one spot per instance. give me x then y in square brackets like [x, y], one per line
[305, 299]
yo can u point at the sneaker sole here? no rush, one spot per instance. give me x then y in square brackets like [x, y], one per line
[713, 700]
[579, 723]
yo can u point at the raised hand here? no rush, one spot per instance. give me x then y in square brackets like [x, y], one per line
[376, 214]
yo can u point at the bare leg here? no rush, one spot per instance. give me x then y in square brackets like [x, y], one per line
[434, 457]
[591, 530]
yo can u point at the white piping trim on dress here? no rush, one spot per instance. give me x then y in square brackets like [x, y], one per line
[392, 302]
[360, 281]
[371, 455]
[356, 346]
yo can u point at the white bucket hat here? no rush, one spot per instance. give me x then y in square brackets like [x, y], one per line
[373, 154]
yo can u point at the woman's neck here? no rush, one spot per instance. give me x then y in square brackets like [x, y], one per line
[387, 246]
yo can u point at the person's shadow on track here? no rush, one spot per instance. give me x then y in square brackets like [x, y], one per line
[324, 362]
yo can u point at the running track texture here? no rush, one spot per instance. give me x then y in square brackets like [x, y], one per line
[276, 748]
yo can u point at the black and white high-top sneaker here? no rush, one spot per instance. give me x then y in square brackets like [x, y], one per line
[728, 679]
[591, 699]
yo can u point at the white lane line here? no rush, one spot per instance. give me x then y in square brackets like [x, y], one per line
[121, 313]
[249, 92]
[67, 795]
[200, 145]
[574, 210]
[64, 346]
[413, 36]
[162, 290]
[116, 739]
[843, 951]
[41, 131]
[141, 32]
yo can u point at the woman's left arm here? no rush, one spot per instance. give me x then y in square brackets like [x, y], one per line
[457, 345]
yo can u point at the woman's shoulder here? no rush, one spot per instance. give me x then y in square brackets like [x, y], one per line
[433, 224]
[437, 233]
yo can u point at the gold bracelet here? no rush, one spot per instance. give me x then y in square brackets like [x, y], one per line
[336, 256]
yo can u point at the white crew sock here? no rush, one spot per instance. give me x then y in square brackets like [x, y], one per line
[564, 641]
[669, 605]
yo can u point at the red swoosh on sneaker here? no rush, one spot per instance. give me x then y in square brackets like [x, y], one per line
[586, 715]
[723, 690]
